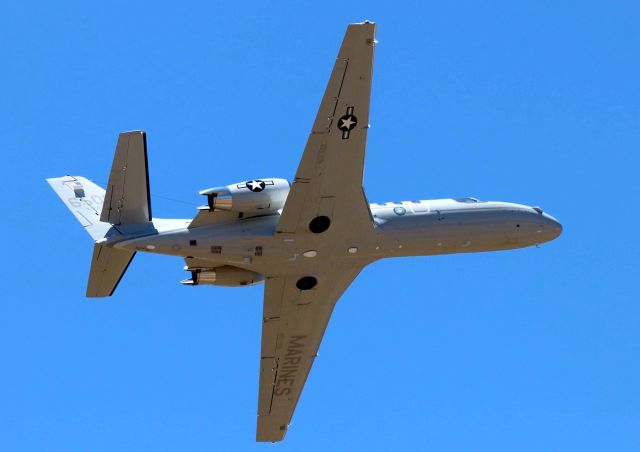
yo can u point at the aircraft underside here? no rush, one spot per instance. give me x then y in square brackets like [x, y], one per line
[306, 241]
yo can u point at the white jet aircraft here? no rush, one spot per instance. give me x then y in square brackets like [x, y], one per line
[306, 241]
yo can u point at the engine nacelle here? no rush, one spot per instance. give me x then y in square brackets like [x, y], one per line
[226, 275]
[258, 196]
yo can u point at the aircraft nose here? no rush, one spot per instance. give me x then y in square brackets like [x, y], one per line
[552, 227]
[553, 224]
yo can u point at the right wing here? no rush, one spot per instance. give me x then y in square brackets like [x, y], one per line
[293, 324]
[328, 181]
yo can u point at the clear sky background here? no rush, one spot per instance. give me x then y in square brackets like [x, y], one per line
[534, 102]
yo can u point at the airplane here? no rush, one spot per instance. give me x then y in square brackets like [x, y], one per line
[306, 241]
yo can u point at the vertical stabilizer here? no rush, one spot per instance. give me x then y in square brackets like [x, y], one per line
[125, 202]
[84, 199]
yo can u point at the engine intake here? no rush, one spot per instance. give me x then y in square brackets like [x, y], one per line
[226, 275]
[258, 196]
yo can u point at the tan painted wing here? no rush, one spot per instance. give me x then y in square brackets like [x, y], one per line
[294, 322]
[329, 178]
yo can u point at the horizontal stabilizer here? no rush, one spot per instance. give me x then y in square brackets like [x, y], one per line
[127, 199]
[107, 267]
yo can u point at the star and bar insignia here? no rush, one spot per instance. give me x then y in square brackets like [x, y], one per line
[347, 123]
[256, 185]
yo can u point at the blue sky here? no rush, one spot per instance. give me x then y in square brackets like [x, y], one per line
[528, 350]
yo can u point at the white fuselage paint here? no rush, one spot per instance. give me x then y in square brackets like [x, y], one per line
[418, 228]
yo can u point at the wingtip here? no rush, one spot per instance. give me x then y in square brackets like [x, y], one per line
[269, 430]
[363, 23]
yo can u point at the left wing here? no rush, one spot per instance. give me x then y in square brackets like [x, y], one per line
[294, 321]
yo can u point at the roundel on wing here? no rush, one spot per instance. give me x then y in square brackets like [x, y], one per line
[347, 123]
[256, 185]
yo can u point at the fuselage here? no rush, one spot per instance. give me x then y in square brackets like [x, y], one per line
[409, 228]
[447, 226]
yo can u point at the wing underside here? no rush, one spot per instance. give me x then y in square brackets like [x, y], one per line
[328, 181]
[294, 322]
[326, 208]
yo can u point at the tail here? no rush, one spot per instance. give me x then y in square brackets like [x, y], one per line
[85, 201]
[106, 215]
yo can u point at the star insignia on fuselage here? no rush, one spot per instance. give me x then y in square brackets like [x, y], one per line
[256, 185]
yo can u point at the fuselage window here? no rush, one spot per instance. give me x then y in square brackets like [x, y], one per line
[400, 210]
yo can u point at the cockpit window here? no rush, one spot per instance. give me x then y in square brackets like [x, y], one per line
[469, 200]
